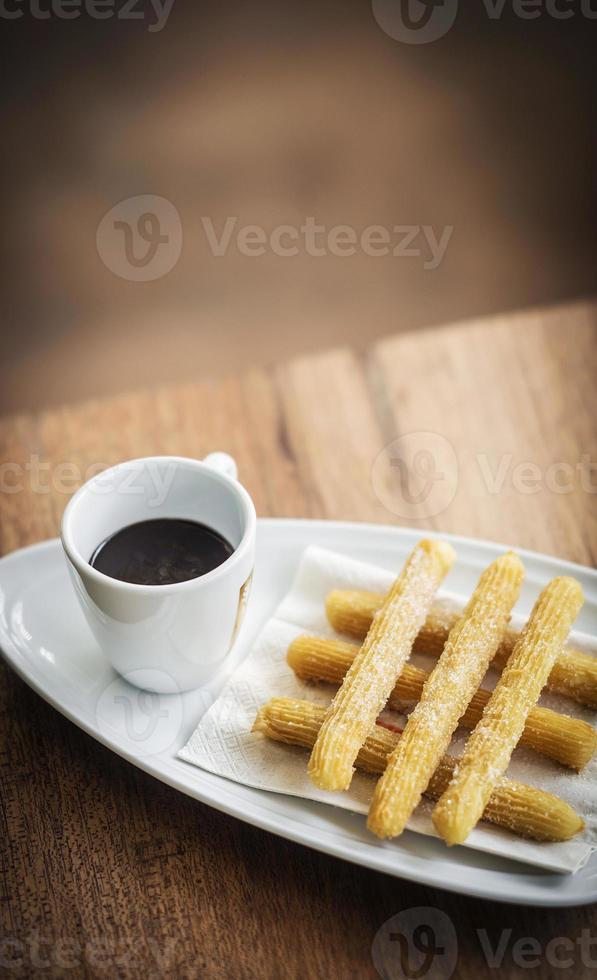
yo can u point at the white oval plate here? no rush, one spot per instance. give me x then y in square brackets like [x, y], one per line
[45, 639]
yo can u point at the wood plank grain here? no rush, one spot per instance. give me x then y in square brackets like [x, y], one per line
[107, 872]
[335, 435]
[304, 436]
[514, 399]
[121, 876]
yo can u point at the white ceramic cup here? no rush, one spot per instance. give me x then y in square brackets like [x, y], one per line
[163, 638]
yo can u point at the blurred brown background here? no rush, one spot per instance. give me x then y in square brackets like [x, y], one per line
[273, 112]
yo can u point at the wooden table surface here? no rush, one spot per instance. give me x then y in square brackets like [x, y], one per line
[107, 872]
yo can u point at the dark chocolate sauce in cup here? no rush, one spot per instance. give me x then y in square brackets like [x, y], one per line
[162, 551]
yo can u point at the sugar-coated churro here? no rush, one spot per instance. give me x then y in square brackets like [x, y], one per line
[369, 681]
[526, 811]
[460, 669]
[490, 746]
[574, 674]
[570, 741]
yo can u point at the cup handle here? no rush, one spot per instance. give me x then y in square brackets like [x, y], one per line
[223, 463]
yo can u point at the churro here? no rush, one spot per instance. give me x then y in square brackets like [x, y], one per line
[526, 811]
[574, 674]
[372, 675]
[490, 746]
[569, 741]
[462, 665]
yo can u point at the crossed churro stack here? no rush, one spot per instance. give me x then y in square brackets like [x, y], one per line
[413, 762]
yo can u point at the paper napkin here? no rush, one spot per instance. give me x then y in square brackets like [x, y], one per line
[223, 742]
